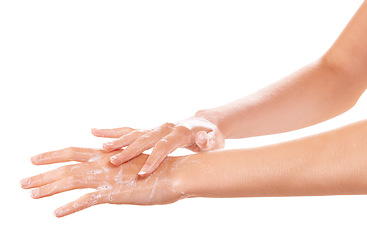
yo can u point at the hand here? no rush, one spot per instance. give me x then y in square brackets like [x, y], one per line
[196, 134]
[114, 184]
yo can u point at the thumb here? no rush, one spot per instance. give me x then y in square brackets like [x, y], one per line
[209, 141]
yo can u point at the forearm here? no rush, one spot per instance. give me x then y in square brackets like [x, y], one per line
[315, 93]
[311, 95]
[331, 163]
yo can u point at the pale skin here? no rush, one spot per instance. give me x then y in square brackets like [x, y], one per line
[331, 163]
[317, 92]
[114, 184]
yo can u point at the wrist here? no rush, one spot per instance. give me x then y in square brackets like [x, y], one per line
[195, 175]
[187, 176]
[178, 177]
[216, 117]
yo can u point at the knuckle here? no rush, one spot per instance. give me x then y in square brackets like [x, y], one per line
[136, 134]
[133, 134]
[66, 170]
[168, 125]
[74, 181]
[143, 138]
[129, 129]
[94, 199]
[163, 144]
[87, 198]
[138, 131]
[70, 151]
[73, 168]
[182, 130]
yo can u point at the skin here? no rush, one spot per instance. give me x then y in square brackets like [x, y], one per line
[195, 133]
[331, 163]
[113, 184]
[323, 89]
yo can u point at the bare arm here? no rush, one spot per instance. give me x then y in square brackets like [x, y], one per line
[330, 163]
[317, 92]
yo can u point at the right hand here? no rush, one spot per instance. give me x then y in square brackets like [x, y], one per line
[196, 134]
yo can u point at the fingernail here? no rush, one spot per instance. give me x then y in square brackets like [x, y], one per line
[35, 193]
[114, 160]
[107, 145]
[25, 182]
[203, 137]
[144, 170]
[35, 159]
[58, 212]
[142, 173]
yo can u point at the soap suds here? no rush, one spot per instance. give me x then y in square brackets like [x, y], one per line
[95, 158]
[154, 188]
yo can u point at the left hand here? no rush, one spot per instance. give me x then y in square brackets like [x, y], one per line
[114, 184]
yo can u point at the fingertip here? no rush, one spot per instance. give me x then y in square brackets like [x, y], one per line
[142, 174]
[36, 159]
[203, 137]
[24, 183]
[212, 141]
[54, 213]
[35, 163]
[108, 147]
[115, 161]
[35, 193]
[58, 213]
[93, 131]
[145, 171]
[202, 140]
[98, 132]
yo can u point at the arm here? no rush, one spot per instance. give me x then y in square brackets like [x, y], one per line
[331, 163]
[315, 93]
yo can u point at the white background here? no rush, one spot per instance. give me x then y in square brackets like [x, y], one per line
[68, 66]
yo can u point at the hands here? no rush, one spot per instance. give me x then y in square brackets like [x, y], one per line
[121, 184]
[196, 134]
[114, 184]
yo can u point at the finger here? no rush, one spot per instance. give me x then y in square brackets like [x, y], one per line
[141, 144]
[51, 176]
[65, 155]
[201, 140]
[123, 141]
[209, 141]
[63, 185]
[215, 141]
[160, 152]
[84, 202]
[111, 133]
[193, 147]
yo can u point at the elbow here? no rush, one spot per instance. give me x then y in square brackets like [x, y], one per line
[349, 80]
[352, 71]
[346, 84]
[351, 103]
